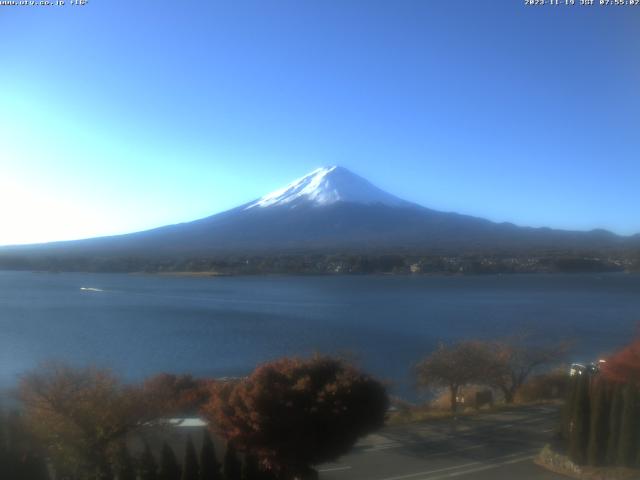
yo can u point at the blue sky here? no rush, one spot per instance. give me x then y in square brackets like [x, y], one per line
[120, 116]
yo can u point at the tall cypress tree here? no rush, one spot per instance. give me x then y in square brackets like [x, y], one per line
[232, 468]
[579, 424]
[4, 450]
[123, 464]
[628, 443]
[209, 465]
[169, 467]
[267, 475]
[615, 418]
[599, 425]
[3, 443]
[190, 464]
[34, 467]
[147, 466]
[567, 409]
[250, 468]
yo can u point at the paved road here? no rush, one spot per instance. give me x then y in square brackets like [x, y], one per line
[482, 447]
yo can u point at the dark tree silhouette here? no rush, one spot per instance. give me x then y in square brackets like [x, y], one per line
[232, 468]
[190, 464]
[628, 442]
[209, 465]
[28, 467]
[599, 427]
[147, 466]
[602, 419]
[615, 418]
[250, 468]
[579, 421]
[124, 468]
[169, 466]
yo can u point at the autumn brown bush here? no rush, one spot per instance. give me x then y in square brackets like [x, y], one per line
[82, 415]
[296, 413]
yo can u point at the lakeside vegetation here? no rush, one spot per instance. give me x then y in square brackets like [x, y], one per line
[277, 423]
[499, 366]
[281, 421]
[334, 263]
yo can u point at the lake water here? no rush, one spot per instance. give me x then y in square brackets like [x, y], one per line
[141, 325]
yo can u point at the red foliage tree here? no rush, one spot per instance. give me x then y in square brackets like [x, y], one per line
[624, 366]
[295, 413]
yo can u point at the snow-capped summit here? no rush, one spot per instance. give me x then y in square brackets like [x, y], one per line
[330, 210]
[325, 186]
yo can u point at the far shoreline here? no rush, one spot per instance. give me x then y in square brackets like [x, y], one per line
[214, 274]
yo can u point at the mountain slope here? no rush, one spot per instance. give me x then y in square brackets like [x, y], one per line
[332, 209]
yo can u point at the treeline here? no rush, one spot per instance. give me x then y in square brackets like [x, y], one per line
[21, 459]
[277, 423]
[601, 419]
[281, 421]
[504, 366]
[336, 263]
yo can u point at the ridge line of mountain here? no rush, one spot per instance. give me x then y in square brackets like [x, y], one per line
[330, 211]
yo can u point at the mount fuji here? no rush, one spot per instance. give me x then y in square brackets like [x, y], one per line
[331, 210]
[326, 186]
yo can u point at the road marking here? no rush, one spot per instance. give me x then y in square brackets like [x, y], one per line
[547, 409]
[483, 468]
[434, 434]
[381, 446]
[389, 446]
[474, 447]
[429, 472]
[509, 425]
[334, 469]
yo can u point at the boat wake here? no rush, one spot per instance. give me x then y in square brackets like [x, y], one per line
[91, 289]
